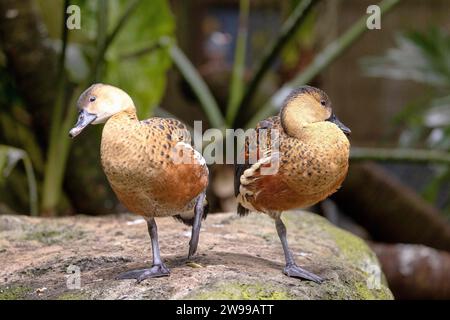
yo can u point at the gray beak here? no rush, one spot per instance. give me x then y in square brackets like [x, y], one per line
[340, 125]
[84, 119]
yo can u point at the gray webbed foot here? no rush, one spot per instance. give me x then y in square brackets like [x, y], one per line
[292, 270]
[156, 271]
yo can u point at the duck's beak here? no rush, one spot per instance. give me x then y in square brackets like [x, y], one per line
[84, 119]
[340, 125]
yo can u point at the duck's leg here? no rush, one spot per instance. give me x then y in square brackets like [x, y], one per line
[199, 210]
[158, 268]
[291, 269]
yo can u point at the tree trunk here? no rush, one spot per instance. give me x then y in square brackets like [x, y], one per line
[415, 271]
[390, 210]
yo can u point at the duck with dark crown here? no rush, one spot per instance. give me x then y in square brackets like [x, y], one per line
[139, 160]
[312, 155]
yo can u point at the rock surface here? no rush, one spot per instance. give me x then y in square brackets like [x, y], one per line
[238, 258]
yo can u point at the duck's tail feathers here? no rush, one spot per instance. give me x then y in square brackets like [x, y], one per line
[189, 221]
[242, 211]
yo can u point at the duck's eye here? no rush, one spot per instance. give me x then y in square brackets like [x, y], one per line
[323, 102]
[92, 99]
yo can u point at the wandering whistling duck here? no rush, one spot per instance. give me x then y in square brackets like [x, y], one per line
[150, 165]
[311, 154]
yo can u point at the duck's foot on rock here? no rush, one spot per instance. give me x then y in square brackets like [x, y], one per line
[156, 271]
[292, 270]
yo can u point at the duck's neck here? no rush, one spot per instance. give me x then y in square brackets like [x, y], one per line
[125, 115]
[117, 133]
[293, 123]
[117, 124]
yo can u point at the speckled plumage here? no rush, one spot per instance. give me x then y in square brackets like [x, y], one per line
[313, 163]
[137, 157]
[308, 152]
[150, 165]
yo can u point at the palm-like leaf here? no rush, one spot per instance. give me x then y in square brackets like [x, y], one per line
[419, 57]
[423, 58]
[9, 158]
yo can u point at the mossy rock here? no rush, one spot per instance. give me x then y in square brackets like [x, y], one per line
[350, 268]
[52, 235]
[74, 295]
[238, 258]
[240, 291]
[14, 292]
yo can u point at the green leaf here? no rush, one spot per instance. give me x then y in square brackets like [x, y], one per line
[419, 57]
[237, 78]
[143, 77]
[9, 157]
[288, 30]
[432, 189]
[422, 57]
[197, 84]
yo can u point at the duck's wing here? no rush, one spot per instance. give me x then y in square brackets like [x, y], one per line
[263, 153]
[175, 130]
[178, 137]
[192, 169]
[267, 125]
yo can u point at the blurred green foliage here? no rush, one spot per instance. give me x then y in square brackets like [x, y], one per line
[422, 57]
[130, 44]
[100, 52]
[142, 76]
[9, 158]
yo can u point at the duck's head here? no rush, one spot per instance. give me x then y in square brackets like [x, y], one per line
[307, 105]
[99, 103]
